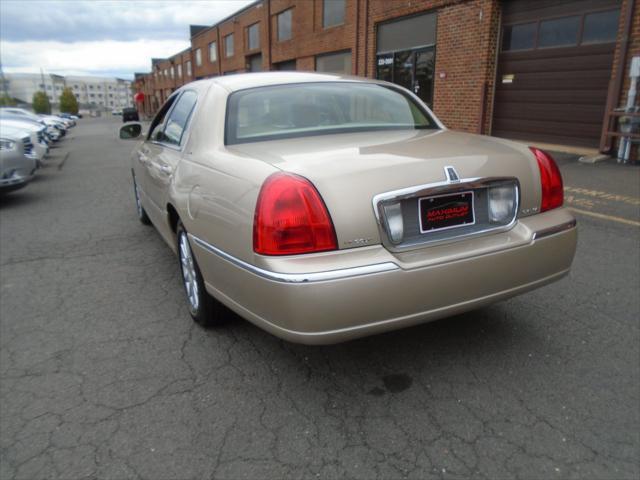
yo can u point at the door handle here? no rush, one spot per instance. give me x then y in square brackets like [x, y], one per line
[166, 169]
[142, 158]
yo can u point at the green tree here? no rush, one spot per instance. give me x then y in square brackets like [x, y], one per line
[41, 103]
[68, 102]
[7, 101]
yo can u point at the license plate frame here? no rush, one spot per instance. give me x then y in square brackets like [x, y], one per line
[446, 219]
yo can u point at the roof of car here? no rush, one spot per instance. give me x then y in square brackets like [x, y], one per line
[241, 81]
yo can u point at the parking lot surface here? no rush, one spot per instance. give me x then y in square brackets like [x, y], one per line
[103, 374]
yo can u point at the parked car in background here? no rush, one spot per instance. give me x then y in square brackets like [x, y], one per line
[116, 111]
[17, 165]
[36, 133]
[324, 208]
[39, 123]
[70, 116]
[68, 119]
[67, 124]
[58, 125]
[130, 114]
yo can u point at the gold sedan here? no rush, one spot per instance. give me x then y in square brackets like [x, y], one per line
[324, 208]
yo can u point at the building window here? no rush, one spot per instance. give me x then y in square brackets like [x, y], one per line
[289, 65]
[253, 36]
[198, 57]
[228, 45]
[284, 25]
[600, 27]
[173, 73]
[189, 72]
[560, 32]
[519, 37]
[334, 63]
[179, 71]
[333, 13]
[254, 62]
[213, 52]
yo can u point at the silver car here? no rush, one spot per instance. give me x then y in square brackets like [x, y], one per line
[17, 164]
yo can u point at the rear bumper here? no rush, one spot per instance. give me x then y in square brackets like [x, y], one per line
[338, 296]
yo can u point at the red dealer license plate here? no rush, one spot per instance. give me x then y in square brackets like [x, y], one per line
[446, 211]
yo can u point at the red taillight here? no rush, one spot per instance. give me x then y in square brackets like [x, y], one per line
[291, 218]
[551, 180]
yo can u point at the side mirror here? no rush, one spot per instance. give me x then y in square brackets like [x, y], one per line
[130, 131]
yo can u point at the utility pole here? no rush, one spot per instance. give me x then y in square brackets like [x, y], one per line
[4, 82]
[42, 77]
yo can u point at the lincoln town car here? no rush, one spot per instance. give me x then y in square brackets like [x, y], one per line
[324, 208]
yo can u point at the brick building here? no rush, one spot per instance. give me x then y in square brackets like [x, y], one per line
[545, 71]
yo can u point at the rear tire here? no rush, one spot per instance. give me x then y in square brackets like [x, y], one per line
[204, 309]
[142, 215]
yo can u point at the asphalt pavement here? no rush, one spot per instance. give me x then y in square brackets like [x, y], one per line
[103, 374]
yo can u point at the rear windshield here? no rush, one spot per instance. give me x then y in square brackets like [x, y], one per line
[306, 109]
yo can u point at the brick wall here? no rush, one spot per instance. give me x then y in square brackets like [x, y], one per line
[465, 54]
[467, 36]
[465, 48]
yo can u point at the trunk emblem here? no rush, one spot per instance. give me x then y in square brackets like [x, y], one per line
[451, 174]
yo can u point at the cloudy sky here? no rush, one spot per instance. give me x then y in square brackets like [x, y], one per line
[100, 37]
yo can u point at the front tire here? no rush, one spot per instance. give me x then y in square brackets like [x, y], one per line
[203, 308]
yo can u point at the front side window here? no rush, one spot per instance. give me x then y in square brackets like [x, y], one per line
[333, 13]
[198, 57]
[213, 52]
[308, 109]
[177, 122]
[334, 63]
[156, 127]
[284, 25]
[253, 36]
[228, 45]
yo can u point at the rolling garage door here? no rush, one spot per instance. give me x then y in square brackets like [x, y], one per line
[554, 68]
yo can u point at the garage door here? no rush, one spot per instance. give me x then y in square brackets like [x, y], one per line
[554, 68]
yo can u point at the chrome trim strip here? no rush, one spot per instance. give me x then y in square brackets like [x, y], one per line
[297, 277]
[555, 229]
[444, 187]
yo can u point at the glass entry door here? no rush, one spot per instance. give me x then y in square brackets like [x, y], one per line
[412, 69]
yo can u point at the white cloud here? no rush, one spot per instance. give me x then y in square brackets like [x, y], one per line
[100, 37]
[86, 57]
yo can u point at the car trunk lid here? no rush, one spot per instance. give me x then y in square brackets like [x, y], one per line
[350, 170]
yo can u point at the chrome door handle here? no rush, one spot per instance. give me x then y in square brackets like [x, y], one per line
[166, 169]
[142, 158]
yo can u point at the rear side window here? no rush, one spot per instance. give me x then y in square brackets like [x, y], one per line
[177, 122]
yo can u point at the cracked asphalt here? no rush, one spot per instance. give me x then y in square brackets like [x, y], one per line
[104, 375]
